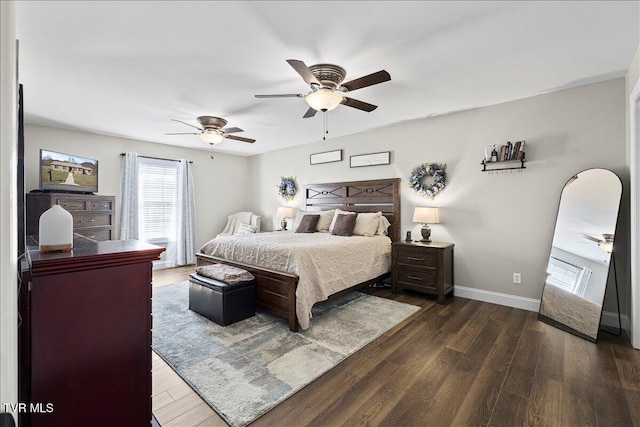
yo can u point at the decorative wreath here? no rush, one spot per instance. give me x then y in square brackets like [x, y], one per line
[437, 171]
[287, 188]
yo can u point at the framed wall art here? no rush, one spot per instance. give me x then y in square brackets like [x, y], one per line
[372, 159]
[325, 157]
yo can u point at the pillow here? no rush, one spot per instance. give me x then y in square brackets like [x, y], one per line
[344, 224]
[246, 229]
[326, 217]
[335, 216]
[367, 224]
[308, 224]
[383, 226]
[323, 223]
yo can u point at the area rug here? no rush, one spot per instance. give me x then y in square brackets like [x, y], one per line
[245, 369]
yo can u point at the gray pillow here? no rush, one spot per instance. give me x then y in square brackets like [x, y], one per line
[344, 224]
[308, 224]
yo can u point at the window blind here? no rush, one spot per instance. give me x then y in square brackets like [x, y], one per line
[157, 186]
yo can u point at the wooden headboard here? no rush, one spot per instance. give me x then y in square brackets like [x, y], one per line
[359, 196]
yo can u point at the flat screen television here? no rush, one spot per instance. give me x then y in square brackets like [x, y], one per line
[67, 173]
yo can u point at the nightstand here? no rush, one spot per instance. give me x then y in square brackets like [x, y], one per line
[423, 267]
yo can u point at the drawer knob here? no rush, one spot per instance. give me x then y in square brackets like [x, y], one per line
[415, 259]
[414, 278]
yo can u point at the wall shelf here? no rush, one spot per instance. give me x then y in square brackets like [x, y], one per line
[503, 165]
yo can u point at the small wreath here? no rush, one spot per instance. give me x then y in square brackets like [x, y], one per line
[437, 171]
[287, 188]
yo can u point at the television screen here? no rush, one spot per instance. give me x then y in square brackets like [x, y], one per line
[64, 172]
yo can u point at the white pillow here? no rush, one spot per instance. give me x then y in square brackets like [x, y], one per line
[324, 222]
[246, 229]
[335, 217]
[383, 226]
[367, 224]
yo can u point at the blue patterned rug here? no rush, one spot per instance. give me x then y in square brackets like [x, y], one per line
[245, 369]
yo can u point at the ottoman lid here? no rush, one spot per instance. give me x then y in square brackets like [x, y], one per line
[224, 273]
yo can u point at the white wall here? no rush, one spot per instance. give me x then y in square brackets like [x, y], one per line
[501, 223]
[633, 163]
[8, 212]
[220, 183]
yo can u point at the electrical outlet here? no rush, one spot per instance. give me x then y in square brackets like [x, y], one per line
[517, 278]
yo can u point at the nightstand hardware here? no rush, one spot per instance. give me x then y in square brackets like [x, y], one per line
[415, 259]
[414, 278]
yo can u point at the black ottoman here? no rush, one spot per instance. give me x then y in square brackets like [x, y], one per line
[221, 302]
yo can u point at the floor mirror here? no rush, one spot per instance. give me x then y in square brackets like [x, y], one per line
[581, 253]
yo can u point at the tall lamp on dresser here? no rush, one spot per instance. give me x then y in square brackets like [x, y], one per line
[424, 267]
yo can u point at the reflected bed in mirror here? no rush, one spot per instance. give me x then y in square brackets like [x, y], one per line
[581, 253]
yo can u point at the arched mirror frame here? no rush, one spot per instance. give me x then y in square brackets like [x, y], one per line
[611, 264]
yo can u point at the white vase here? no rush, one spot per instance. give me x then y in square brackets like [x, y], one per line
[56, 230]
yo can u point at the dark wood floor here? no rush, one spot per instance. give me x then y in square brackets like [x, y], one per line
[462, 363]
[473, 363]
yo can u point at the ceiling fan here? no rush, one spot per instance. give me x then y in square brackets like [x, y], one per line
[213, 130]
[327, 89]
[605, 243]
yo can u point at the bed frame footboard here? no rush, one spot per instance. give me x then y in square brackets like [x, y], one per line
[275, 290]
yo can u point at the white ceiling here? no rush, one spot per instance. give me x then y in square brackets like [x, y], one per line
[127, 68]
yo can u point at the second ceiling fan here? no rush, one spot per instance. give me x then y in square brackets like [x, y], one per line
[327, 89]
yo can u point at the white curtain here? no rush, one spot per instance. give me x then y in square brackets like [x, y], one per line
[129, 196]
[185, 216]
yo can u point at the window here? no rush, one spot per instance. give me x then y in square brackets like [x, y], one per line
[567, 276]
[157, 198]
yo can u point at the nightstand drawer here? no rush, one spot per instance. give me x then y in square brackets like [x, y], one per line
[420, 259]
[421, 278]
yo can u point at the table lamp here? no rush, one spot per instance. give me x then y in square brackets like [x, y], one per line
[426, 216]
[284, 213]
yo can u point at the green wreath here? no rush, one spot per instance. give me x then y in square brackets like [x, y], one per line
[437, 171]
[287, 188]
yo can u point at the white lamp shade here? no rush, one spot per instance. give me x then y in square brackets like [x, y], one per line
[426, 215]
[284, 212]
[211, 137]
[323, 100]
[55, 230]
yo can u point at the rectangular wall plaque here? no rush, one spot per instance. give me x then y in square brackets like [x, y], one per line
[326, 157]
[373, 159]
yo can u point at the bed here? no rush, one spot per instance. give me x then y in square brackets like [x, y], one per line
[277, 290]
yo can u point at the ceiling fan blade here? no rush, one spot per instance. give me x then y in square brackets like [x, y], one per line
[183, 133]
[232, 130]
[239, 138]
[285, 95]
[304, 71]
[588, 237]
[188, 124]
[370, 80]
[310, 113]
[360, 105]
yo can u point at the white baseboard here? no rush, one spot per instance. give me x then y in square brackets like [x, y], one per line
[530, 304]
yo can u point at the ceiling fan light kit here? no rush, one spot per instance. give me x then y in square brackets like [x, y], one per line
[323, 100]
[213, 131]
[211, 137]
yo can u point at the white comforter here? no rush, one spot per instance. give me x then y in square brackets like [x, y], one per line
[324, 263]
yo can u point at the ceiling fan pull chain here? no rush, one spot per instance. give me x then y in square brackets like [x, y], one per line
[326, 126]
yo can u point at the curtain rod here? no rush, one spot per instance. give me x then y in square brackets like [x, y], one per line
[157, 158]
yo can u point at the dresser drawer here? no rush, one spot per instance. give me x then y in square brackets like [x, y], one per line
[413, 278]
[101, 205]
[415, 258]
[99, 234]
[73, 204]
[81, 220]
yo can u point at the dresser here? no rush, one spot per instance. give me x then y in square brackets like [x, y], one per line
[85, 334]
[93, 215]
[423, 267]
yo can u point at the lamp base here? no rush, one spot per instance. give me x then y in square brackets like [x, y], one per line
[426, 233]
[283, 224]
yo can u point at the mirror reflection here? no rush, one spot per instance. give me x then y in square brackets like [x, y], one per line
[581, 252]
